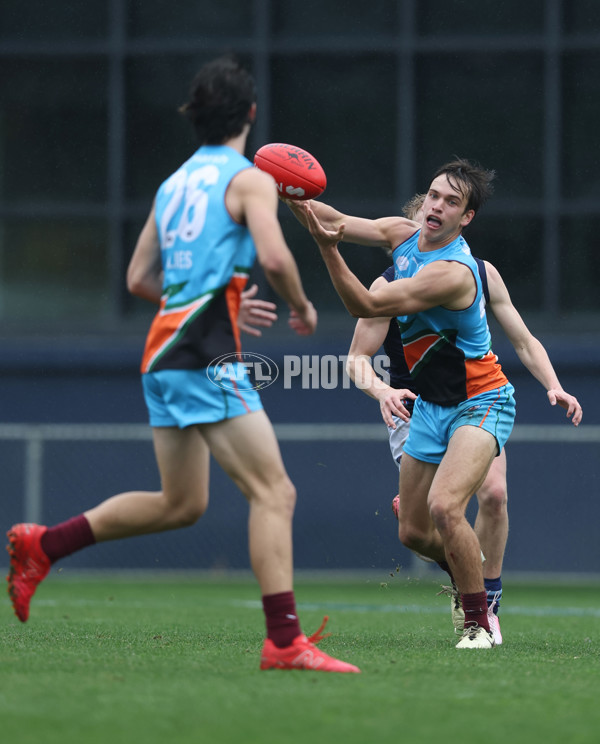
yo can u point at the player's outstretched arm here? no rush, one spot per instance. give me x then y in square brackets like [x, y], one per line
[529, 349]
[446, 283]
[386, 232]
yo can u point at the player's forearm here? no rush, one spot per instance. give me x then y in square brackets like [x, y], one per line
[352, 292]
[329, 217]
[362, 374]
[534, 356]
[284, 278]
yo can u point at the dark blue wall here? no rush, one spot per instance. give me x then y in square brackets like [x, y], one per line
[343, 518]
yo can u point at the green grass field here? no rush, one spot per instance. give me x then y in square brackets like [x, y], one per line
[158, 659]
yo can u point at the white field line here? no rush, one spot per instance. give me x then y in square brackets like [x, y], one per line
[253, 604]
[433, 610]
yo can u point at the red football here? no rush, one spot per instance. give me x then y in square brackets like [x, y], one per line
[297, 173]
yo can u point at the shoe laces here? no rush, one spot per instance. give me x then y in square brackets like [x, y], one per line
[450, 591]
[496, 598]
[317, 637]
[471, 630]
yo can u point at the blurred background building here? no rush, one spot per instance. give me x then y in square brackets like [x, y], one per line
[381, 95]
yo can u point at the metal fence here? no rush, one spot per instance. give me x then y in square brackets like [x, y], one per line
[344, 478]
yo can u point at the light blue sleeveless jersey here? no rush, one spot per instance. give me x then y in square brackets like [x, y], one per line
[206, 258]
[448, 352]
[201, 244]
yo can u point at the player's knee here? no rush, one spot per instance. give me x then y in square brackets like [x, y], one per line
[287, 497]
[192, 514]
[279, 496]
[493, 498]
[444, 516]
[411, 537]
[188, 513]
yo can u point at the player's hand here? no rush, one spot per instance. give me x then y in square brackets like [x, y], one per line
[304, 324]
[297, 209]
[568, 402]
[325, 239]
[255, 313]
[392, 404]
[294, 204]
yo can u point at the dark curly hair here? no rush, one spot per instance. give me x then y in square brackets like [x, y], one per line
[470, 180]
[221, 96]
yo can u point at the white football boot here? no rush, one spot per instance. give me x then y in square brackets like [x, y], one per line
[476, 637]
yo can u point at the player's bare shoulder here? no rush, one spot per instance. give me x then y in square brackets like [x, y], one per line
[397, 230]
[497, 288]
[253, 180]
[492, 272]
[250, 188]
